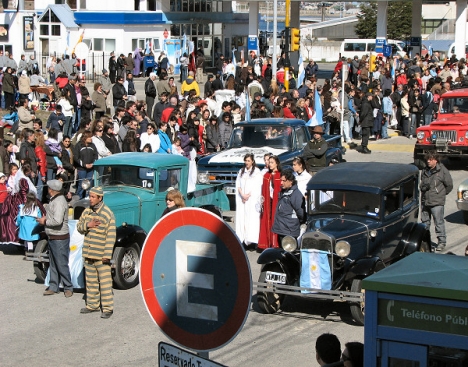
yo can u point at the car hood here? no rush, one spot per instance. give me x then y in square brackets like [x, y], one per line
[236, 155]
[119, 199]
[450, 119]
[341, 228]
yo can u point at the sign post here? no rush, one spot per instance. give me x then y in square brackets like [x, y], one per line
[195, 279]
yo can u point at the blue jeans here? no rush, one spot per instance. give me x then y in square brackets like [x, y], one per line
[414, 123]
[67, 126]
[183, 73]
[59, 251]
[385, 127]
[351, 125]
[427, 119]
[436, 212]
[83, 174]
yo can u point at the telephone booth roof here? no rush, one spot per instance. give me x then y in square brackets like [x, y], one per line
[424, 274]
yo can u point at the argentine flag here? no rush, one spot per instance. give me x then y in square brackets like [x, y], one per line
[317, 118]
[315, 271]
[247, 106]
[301, 76]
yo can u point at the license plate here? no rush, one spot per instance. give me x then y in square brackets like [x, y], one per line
[277, 278]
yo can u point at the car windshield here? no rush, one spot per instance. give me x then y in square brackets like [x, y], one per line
[454, 105]
[127, 176]
[257, 136]
[344, 202]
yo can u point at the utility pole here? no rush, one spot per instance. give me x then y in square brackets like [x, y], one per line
[287, 62]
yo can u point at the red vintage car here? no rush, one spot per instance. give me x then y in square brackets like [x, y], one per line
[448, 133]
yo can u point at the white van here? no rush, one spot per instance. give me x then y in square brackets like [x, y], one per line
[360, 47]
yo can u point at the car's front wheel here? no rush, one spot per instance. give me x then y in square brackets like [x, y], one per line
[127, 266]
[357, 309]
[269, 302]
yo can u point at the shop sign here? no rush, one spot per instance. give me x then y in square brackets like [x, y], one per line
[423, 316]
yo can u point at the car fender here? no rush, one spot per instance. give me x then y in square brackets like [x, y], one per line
[418, 233]
[289, 262]
[364, 267]
[127, 234]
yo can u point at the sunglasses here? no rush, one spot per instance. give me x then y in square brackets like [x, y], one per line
[99, 131]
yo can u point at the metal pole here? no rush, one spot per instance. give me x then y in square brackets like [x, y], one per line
[287, 63]
[344, 75]
[275, 35]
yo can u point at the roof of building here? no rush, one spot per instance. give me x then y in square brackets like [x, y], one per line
[424, 274]
[64, 13]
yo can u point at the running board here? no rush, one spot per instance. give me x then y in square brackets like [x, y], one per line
[291, 290]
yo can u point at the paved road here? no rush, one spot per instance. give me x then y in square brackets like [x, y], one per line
[49, 331]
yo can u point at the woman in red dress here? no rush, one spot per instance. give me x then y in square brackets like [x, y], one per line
[270, 192]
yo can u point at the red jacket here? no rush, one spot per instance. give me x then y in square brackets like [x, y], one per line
[42, 163]
[3, 192]
[287, 113]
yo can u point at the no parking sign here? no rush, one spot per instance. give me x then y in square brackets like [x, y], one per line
[195, 279]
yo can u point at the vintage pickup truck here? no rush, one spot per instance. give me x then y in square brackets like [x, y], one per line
[448, 134]
[285, 138]
[135, 187]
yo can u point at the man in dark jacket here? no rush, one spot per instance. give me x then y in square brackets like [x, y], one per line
[9, 88]
[27, 153]
[436, 184]
[311, 69]
[290, 209]
[119, 93]
[367, 121]
[84, 156]
[150, 92]
[315, 150]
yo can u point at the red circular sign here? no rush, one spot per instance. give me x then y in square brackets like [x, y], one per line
[227, 266]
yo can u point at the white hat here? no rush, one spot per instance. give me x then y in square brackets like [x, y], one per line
[24, 72]
[152, 74]
[2, 174]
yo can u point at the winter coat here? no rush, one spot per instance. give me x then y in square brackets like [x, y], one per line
[435, 185]
[99, 100]
[53, 121]
[42, 160]
[84, 154]
[315, 153]
[289, 213]
[212, 137]
[366, 116]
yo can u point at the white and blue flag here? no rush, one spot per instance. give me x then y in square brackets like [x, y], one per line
[301, 76]
[315, 272]
[317, 118]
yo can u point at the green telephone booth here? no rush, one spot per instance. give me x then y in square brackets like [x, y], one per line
[417, 313]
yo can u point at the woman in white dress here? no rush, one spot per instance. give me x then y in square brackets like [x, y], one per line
[302, 176]
[248, 204]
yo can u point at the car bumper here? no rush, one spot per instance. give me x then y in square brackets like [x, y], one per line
[462, 205]
[447, 150]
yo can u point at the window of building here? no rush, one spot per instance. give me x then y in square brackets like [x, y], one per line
[44, 30]
[136, 5]
[54, 18]
[82, 4]
[109, 45]
[195, 6]
[55, 30]
[151, 5]
[98, 44]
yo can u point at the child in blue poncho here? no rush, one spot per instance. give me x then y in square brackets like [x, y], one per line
[26, 221]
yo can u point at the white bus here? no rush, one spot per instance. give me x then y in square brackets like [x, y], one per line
[360, 47]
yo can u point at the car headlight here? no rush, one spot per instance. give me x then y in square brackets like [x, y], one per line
[465, 195]
[342, 248]
[85, 184]
[420, 135]
[289, 244]
[373, 233]
[203, 178]
[466, 135]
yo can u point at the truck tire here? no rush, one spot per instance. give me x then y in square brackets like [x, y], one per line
[269, 302]
[41, 268]
[127, 266]
[357, 309]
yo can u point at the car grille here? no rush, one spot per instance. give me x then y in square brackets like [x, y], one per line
[447, 135]
[223, 177]
[317, 241]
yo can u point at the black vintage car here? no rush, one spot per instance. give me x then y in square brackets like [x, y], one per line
[362, 217]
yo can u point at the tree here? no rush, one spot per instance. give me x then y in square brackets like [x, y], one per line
[398, 20]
